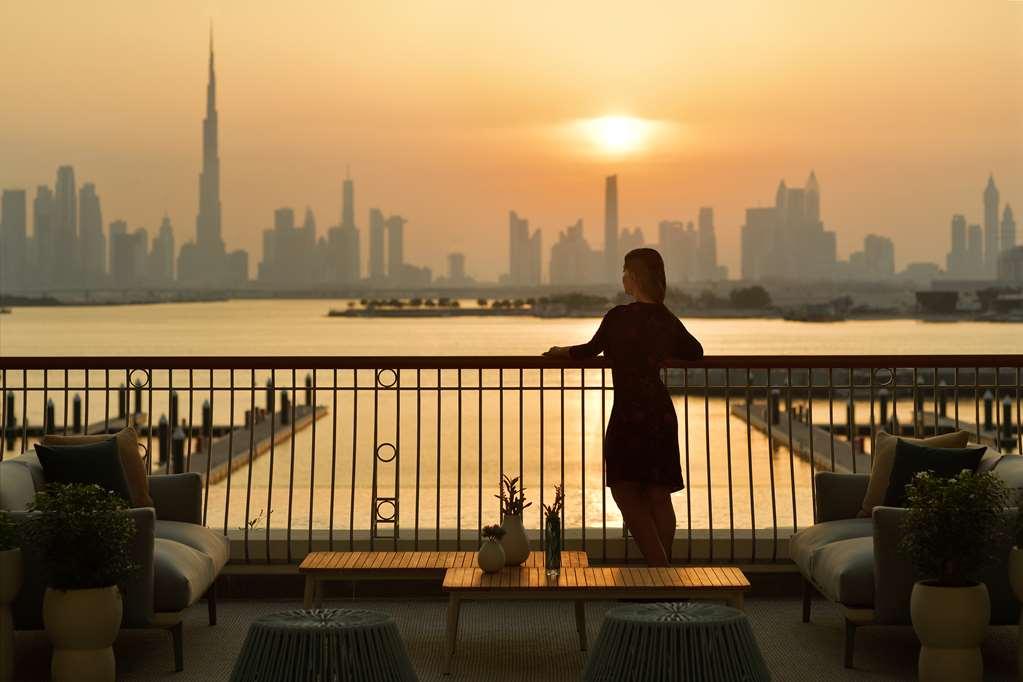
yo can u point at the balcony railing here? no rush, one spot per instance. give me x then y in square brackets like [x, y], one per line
[300, 453]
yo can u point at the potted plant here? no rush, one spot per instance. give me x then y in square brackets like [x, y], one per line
[552, 533]
[513, 501]
[10, 583]
[82, 534]
[950, 532]
[491, 555]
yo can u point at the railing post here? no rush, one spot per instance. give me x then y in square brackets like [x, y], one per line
[207, 424]
[989, 402]
[76, 414]
[11, 425]
[172, 409]
[270, 398]
[942, 398]
[774, 409]
[122, 398]
[178, 450]
[1007, 437]
[308, 389]
[137, 389]
[163, 439]
[882, 397]
[285, 408]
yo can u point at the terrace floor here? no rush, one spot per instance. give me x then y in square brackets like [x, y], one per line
[531, 641]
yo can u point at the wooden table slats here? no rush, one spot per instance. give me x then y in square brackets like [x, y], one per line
[689, 578]
[335, 562]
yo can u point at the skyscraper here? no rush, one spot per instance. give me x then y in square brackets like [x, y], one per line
[707, 251]
[956, 263]
[42, 234]
[65, 230]
[13, 240]
[975, 250]
[348, 204]
[612, 266]
[396, 249]
[991, 249]
[161, 258]
[524, 252]
[1007, 239]
[93, 243]
[376, 244]
[207, 222]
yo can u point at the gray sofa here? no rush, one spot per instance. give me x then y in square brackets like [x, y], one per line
[180, 558]
[856, 563]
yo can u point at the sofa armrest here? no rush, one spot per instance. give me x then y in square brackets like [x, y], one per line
[138, 588]
[839, 496]
[177, 497]
[893, 572]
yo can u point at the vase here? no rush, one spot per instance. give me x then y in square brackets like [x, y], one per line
[951, 623]
[1016, 581]
[552, 547]
[82, 625]
[490, 558]
[514, 542]
[10, 583]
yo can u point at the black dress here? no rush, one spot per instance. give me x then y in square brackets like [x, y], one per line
[641, 443]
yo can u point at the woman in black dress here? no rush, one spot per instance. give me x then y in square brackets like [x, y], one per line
[641, 451]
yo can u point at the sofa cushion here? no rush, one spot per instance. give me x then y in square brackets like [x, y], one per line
[128, 450]
[912, 459]
[883, 457]
[1010, 469]
[181, 575]
[804, 544]
[200, 538]
[844, 571]
[20, 477]
[95, 463]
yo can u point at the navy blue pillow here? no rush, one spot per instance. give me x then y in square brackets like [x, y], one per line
[98, 463]
[911, 459]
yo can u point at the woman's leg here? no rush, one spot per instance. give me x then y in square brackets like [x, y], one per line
[635, 507]
[664, 515]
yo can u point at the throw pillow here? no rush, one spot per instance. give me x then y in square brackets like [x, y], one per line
[98, 463]
[884, 456]
[911, 459]
[131, 460]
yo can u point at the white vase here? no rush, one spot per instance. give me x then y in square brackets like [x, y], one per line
[82, 625]
[10, 583]
[951, 623]
[490, 557]
[1016, 581]
[514, 542]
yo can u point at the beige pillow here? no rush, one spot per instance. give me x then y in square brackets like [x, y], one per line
[131, 460]
[884, 457]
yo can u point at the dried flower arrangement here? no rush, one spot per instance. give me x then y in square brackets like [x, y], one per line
[513, 500]
[554, 509]
[494, 532]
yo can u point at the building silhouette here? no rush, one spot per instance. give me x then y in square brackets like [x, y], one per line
[991, 249]
[875, 262]
[129, 258]
[1007, 236]
[65, 230]
[161, 258]
[679, 246]
[43, 235]
[627, 241]
[93, 243]
[524, 253]
[376, 245]
[975, 251]
[395, 226]
[573, 262]
[13, 240]
[957, 263]
[612, 265]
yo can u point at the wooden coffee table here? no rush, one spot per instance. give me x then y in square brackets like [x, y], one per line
[320, 567]
[581, 584]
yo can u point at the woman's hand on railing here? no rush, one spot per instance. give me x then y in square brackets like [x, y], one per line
[557, 352]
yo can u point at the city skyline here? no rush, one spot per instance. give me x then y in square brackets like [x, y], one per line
[898, 133]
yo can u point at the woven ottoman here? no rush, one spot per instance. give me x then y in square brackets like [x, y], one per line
[321, 645]
[675, 642]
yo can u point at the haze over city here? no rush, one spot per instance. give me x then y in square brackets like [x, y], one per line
[451, 127]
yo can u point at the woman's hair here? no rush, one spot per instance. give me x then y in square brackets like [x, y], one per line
[647, 267]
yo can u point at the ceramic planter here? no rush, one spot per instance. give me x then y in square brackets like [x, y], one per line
[951, 623]
[490, 557]
[82, 625]
[514, 542]
[10, 583]
[1016, 580]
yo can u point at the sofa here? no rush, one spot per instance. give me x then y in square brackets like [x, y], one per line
[855, 562]
[180, 558]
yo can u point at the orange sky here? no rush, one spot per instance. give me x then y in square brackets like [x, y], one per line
[453, 113]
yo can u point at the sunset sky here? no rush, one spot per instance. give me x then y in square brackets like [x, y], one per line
[452, 113]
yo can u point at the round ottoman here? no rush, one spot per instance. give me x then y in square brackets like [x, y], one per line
[323, 645]
[684, 641]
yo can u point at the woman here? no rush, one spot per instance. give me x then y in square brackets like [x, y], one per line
[641, 445]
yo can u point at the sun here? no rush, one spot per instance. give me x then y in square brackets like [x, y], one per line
[617, 134]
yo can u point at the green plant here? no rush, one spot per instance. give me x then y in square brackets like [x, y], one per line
[513, 500]
[9, 532]
[494, 532]
[82, 533]
[554, 509]
[954, 526]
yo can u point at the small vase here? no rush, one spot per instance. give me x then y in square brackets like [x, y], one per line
[10, 583]
[490, 558]
[514, 542]
[82, 625]
[951, 623]
[552, 547]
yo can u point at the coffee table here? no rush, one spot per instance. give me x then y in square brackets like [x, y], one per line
[581, 584]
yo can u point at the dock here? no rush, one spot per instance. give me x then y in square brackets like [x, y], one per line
[806, 441]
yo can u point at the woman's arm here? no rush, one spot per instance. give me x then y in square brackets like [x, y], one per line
[687, 347]
[591, 349]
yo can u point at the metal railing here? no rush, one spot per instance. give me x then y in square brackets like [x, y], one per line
[300, 453]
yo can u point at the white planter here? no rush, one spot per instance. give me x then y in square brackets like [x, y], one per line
[82, 625]
[514, 542]
[951, 623]
[490, 557]
[1016, 581]
[10, 583]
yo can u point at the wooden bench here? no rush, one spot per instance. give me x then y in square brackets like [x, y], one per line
[580, 584]
[320, 567]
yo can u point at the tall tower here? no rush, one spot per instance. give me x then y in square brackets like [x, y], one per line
[813, 199]
[207, 222]
[93, 243]
[348, 204]
[990, 226]
[65, 228]
[376, 244]
[1007, 239]
[611, 264]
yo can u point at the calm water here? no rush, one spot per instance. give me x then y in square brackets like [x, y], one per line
[459, 466]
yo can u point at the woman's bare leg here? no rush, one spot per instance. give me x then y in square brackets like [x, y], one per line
[664, 516]
[635, 507]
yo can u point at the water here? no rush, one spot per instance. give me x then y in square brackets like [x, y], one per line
[458, 467]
